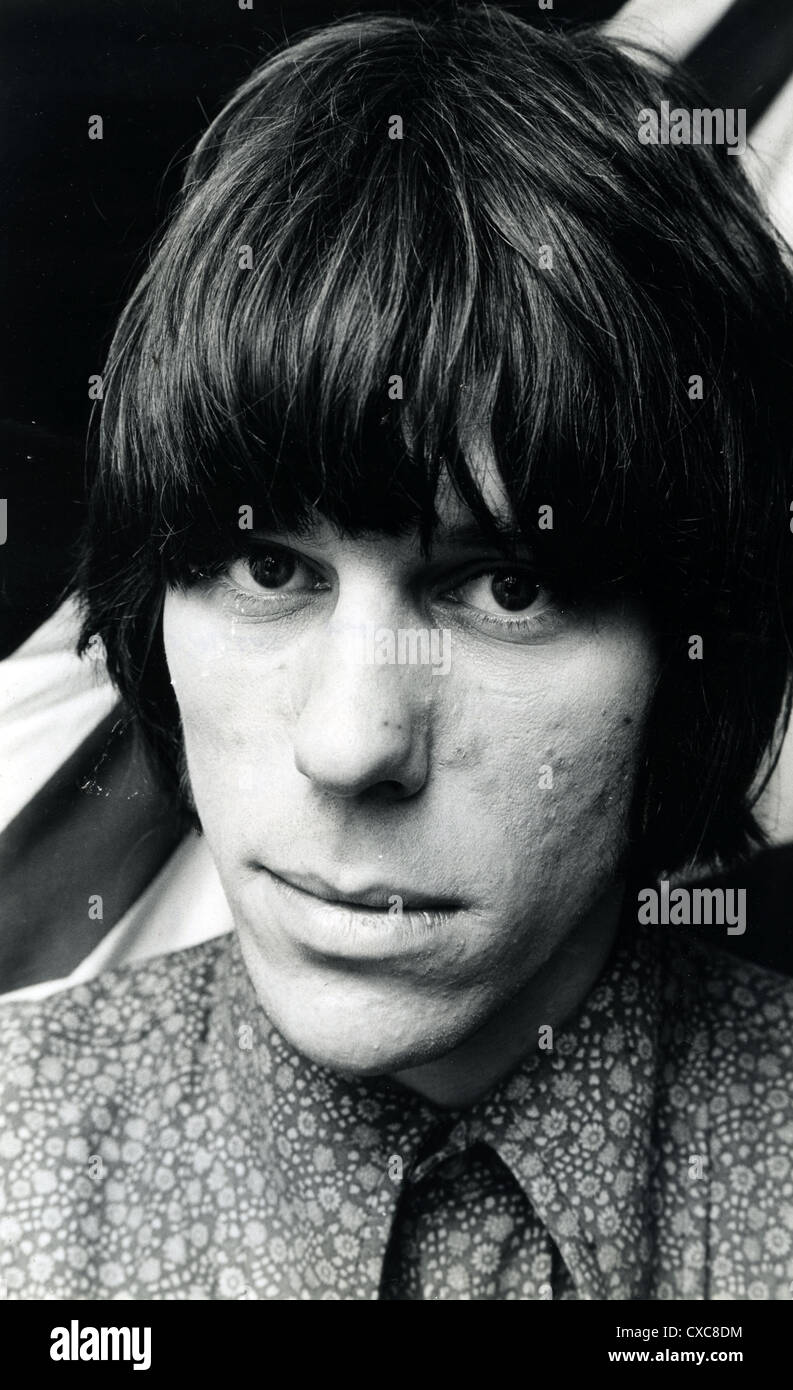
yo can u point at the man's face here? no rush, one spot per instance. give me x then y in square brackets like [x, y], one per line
[406, 828]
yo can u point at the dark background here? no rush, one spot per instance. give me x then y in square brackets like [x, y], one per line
[79, 215]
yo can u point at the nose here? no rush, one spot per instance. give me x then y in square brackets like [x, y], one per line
[361, 727]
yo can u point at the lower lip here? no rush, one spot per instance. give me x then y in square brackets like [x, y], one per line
[349, 931]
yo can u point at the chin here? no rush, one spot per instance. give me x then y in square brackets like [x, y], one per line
[342, 1052]
[348, 1041]
[339, 1028]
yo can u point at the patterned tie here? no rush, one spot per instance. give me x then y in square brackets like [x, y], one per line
[464, 1229]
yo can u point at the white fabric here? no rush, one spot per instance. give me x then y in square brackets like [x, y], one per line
[674, 27]
[50, 700]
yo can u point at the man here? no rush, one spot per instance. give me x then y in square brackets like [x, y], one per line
[439, 545]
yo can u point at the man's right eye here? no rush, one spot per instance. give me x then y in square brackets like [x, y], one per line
[277, 569]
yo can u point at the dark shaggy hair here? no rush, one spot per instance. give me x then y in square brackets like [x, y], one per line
[422, 256]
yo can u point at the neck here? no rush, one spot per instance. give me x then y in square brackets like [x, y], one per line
[552, 995]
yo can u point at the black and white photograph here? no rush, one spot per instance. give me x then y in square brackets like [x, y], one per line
[396, 658]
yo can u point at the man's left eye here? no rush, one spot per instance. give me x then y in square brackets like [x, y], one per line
[500, 591]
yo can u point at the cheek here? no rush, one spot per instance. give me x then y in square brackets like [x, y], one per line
[234, 704]
[551, 755]
[592, 741]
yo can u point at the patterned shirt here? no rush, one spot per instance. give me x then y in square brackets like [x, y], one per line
[160, 1140]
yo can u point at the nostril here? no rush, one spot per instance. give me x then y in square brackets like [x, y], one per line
[389, 791]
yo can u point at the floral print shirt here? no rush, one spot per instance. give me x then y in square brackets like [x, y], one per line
[160, 1140]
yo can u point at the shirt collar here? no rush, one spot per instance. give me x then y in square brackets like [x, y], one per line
[573, 1125]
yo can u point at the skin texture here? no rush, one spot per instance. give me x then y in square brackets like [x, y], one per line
[309, 760]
